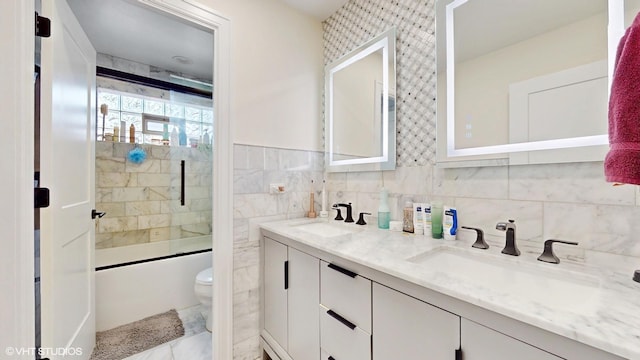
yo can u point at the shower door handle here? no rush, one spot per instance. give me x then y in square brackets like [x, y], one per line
[97, 214]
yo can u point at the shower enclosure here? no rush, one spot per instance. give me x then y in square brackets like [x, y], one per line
[153, 169]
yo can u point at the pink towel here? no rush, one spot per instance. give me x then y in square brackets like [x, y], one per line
[622, 163]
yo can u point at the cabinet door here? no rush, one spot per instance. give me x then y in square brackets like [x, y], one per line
[482, 343]
[303, 300]
[275, 293]
[409, 329]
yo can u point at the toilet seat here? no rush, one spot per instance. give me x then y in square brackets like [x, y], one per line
[205, 277]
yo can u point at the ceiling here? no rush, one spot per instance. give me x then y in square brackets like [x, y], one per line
[319, 9]
[113, 27]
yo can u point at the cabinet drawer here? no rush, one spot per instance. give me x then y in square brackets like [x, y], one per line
[340, 341]
[346, 293]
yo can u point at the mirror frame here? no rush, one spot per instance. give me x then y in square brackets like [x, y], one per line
[615, 31]
[386, 42]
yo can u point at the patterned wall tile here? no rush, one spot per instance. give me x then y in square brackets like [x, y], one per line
[360, 20]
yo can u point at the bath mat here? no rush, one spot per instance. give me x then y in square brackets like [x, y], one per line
[126, 340]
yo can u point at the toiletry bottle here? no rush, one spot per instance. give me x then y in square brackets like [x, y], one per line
[418, 224]
[384, 215]
[450, 224]
[426, 219]
[174, 137]
[165, 132]
[407, 220]
[182, 136]
[132, 134]
[436, 220]
[206, 139]
[116, 133]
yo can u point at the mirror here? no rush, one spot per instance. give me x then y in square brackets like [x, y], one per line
[523, 82]
[360, 108]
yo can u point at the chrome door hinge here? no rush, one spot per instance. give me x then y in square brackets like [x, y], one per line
[43, 26]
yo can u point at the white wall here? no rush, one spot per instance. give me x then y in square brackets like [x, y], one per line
[277, 74]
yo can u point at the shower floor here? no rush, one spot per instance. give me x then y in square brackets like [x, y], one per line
[194, 345]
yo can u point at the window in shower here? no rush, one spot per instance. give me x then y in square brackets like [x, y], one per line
[161, 206]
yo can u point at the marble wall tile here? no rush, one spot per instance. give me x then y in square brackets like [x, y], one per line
[248, 349]
[296, 160]
[369, 181]
[487, 182]
[154, 221]
[254, 205]
[110, 165]
[616, 229]
[246, 302]
[571, 222]
[146, 179]
[272, 159]
[255, 157]
[577, 183]
[414, 180]
[104, 149]
[112, 209]
[130, 194]
[134, 208]
[117, 224]
[246, 326]
[148, 166]
[248, 181]
[116, 179]
[486, 213]
[246, 278]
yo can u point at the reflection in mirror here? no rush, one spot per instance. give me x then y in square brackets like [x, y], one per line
[360, 108]
[522, 76]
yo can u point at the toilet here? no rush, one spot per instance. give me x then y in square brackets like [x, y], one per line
[204, 292]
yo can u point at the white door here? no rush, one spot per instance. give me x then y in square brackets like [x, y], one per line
[67, 169]
[275, 291]
[303, 299]
[482, 343]
[409, 329]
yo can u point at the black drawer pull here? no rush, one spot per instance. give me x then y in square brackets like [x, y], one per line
[344, 321]
[330, 358]
[286, 275]
[337, 268]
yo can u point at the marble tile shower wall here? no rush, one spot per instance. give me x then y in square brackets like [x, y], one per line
[142, 201]
[254, 169]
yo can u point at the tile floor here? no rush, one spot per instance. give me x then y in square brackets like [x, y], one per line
[194, 345]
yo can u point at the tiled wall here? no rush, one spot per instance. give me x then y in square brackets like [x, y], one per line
[564, 201]
[360, 20]
[142, 201]
[254, 169]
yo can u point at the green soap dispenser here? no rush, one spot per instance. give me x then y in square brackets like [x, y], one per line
[384, 215]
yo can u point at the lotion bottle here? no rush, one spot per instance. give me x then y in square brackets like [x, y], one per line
[384, 215]
[436, 220]
[407, 220]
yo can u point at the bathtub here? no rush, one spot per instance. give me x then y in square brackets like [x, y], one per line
[140, 289]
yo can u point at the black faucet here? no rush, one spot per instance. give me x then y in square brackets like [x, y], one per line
[510, 247]
[349, 218]
[548, 255]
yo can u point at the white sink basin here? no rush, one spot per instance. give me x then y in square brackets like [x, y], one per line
[328, 229]
[556, 288]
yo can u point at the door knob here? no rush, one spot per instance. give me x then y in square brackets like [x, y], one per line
[97, 214]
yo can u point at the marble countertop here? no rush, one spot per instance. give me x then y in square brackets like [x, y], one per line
[611, 322]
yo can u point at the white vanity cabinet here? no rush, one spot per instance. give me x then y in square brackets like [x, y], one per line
[481, 343]
[407, 328]
[291, 298]
[345, 313]
[318, 306]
